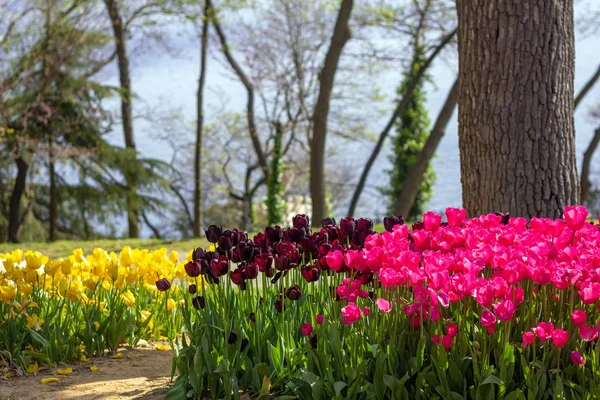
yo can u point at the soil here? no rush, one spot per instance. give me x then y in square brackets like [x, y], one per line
[142, 373]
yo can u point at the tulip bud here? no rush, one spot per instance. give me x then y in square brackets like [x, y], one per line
[192, 289]
[233, 337]
[192, 269]
[213, 232]
[163, 285]
[198, 302]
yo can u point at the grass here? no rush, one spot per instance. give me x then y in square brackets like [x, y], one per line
[64, 248]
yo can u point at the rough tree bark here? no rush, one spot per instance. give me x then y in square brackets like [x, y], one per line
[341, 34]
[410, 188]
[385, 132]
[14, 210]
[126, 112]
[515, 106]
[198, 209]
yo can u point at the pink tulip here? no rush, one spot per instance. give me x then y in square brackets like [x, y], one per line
[455, 216]
[319, 319]
[587, 333]
[384, 305]
[560, 337]
[350, 313]
[579, 317]
[544, 331]
[335, 260]
[577, 358]
[447, 341]
[431, 221]
[575, 217]
[437, 339]
[306, 329]
[452, 329]
[528, 339]
[487, 318]
[504, 309]
[366, 311]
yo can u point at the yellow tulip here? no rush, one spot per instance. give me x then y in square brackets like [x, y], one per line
[32, 368]
[128, 298]
[34, 322]
[67, 266]
[35, 259]
[145, 314]
[171, 304]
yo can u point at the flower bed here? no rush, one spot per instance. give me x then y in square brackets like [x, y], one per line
[482, 308]
[58, 310]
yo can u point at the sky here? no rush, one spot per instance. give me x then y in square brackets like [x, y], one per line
[170, 82]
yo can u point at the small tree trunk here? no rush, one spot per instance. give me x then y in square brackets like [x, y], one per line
[411, 186]
[126, 112]
[341, 34]
[586, 185]
[14, 217]
[53, 201]
[515, 106]
[198, 209]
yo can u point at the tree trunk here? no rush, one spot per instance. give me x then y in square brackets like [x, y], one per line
[515, 106]
[399, 110]
[14, 217]
[341, 34]
[198, 209]
[53, 203]
[260, 155]
[410, 188]
[587, 87]
[126, 112]
[586, 185]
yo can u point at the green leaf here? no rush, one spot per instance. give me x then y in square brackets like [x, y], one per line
[493, 380]
[338, 386]
[178, 391]
[515, 395]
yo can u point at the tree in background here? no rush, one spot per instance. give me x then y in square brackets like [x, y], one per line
[412, 131]
[275, 202]
[516, 135]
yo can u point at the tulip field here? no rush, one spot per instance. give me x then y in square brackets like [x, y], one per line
[492, 307]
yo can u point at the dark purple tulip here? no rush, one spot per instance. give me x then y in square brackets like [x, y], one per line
[296, 235]
[264, 261]
[390, 222]
[233, 337]
[261, 240]
[198, 253]
[324, 249]
[364, 277]
[225, 241]
[245, 251]
[505, 217]
[238, 276]
[274, 233]
[418, 226]
[348, 226]
[251, 271]
[211, 255]
[281, 263]
[310, 247]
[198, 302]
[220, 267]
[280, 303]
[270, 272]
[253, 316]
[192, 269]
[235, 257]
[238, 236]
[364, 224]
[192, 288]
[213, 232]
[310, 273]
[294, 293]
[313, 341]
[301, 221]
[163, 284]
[330, 221]
[204, 266]
[244, 344]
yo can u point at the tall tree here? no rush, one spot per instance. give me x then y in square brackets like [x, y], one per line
[198, 209]
[412, 130]
[515, 106]
[119, 30]
[341, 34]
[410, 188]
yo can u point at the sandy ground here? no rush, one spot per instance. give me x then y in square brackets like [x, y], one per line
[142, 373]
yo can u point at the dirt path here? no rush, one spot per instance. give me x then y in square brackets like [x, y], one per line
[142, 373]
